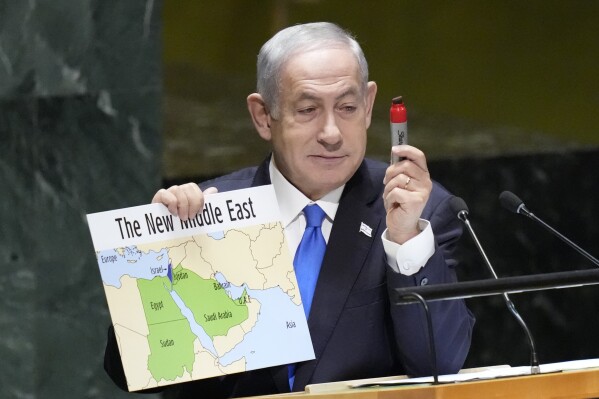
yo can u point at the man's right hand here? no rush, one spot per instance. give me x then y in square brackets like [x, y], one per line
[184, 201]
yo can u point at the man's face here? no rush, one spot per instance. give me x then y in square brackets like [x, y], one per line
[319, 137]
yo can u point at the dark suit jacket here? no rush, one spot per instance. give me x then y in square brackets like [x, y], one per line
[355, 330]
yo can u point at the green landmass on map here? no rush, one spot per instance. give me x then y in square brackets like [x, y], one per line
[210, 304]
[170, 335]
[169, 342]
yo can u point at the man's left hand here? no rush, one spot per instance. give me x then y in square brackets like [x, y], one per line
[407, 188]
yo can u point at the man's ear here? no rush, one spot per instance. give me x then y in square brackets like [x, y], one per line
[260, 115]
[370, 96]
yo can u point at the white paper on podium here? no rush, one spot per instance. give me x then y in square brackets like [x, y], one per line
[484, 373]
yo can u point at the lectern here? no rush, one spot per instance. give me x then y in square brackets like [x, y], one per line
[571, 384]
[560, 385]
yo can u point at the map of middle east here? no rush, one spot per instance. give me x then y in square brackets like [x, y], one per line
[204, 305]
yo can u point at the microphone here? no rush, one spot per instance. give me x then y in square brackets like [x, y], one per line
[512, 203]
[459, 207]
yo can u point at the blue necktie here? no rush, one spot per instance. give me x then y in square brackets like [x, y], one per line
[307, 261]
[309, 254]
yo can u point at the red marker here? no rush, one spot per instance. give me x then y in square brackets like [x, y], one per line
[399, 125]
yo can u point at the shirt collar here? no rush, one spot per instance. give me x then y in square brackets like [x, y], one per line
[292, 201]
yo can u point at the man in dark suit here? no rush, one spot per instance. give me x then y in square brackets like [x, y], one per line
[385, 226]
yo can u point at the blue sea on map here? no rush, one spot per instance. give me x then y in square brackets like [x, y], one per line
[195, 327]
[272, 335]
[133, 263]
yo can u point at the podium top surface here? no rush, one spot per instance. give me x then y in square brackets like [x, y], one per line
[563, 384]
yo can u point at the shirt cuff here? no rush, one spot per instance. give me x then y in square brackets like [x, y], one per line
[409, 257]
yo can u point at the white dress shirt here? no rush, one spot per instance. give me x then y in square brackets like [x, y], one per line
[406, 258]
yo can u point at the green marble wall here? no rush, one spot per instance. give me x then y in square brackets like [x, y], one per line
[80, 86]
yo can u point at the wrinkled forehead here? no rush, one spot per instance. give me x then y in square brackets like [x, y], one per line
[322, 66]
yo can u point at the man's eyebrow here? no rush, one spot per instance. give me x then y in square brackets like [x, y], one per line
[352, 91]
[307, 96]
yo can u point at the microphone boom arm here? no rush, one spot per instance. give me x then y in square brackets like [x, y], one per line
[581, 251]
[534, 359]
[513, 203]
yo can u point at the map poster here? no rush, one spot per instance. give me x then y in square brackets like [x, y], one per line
[210, 296]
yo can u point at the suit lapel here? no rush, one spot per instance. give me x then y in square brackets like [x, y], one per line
[262, 176]
[341, 267]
